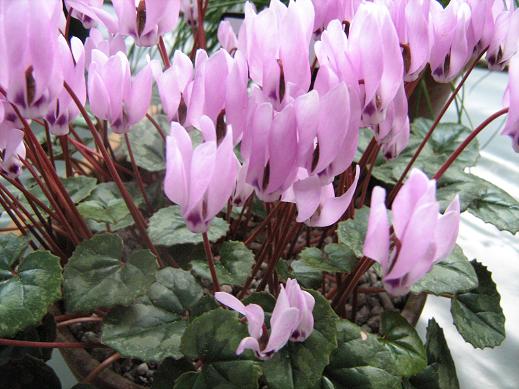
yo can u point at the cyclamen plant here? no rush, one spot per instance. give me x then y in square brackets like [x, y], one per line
[259, 174]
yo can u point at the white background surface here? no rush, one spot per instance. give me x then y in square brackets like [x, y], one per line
[499, 251]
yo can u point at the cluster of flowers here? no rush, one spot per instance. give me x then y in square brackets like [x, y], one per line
[296, 119]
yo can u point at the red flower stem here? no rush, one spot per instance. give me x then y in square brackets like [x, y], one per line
[29, 343]
[200, 31]
[367, 178]
[49, 144]
[344, 291]
[29, 196]
[79, 320]
[210, 262]
[282, 242]
[259, 260]
[135, 212]
[15, 217]
[236, 223]
[43, 235]
[398, 185]
[262, 225]
[157, 126]
[52, 180]
[73, 234]
[163, 53]
[66, 155]
[137, 174]
[467, 141]
[99, 368]
[88, 154]
[67, 28]
[53, 187]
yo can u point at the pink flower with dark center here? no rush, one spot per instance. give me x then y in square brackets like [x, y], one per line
[115, 95]
[420, 236]
[200, 180]
[291, 319]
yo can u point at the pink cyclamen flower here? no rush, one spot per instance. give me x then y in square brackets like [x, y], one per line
[64, 110]
[505, 42]
[411, 19]
[278, 36]
[172, 83]
[421, 235]
[270, 150]
[145, 20]
[451, 49]
[292, 319]
[316, 203]
[109, 46]
[206, 93]
[84, 10]
[30, 69]
[329, 10]
[512, 96]
[226, 36]
[115, 95]
[377, 59]
[202, 180]
[12, 148]
[393, 133]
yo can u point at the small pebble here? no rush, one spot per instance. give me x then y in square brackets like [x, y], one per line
[142, 369]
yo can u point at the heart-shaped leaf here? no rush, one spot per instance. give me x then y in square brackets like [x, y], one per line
[441, 372]
[452, 275]
[352, 232]
[151, 328]
[401, 340]
[234, 266]
[167, 228]
[144, 331]
[477, 314]
[28, 286]
[106, 205]
[97, 275]
[335, 258]
[213, 337]
[147, 144]
[227, 374]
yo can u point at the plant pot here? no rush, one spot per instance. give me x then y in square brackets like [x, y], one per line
[81, 363]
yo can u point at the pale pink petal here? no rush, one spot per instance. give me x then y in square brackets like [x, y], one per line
[332, 208]
[447, 229]
[376, 244]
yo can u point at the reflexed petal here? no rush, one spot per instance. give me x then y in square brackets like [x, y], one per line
[376, 244]
[224, 180]
[140, 95]
[307, 197]
[249, 343]
[447, 229]
[282, 304]
[281, 330]
[226, 36]
[282, 149]
[202, 168]
[255, 320]
[407, 199]
[332, 208]
[230, 301]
